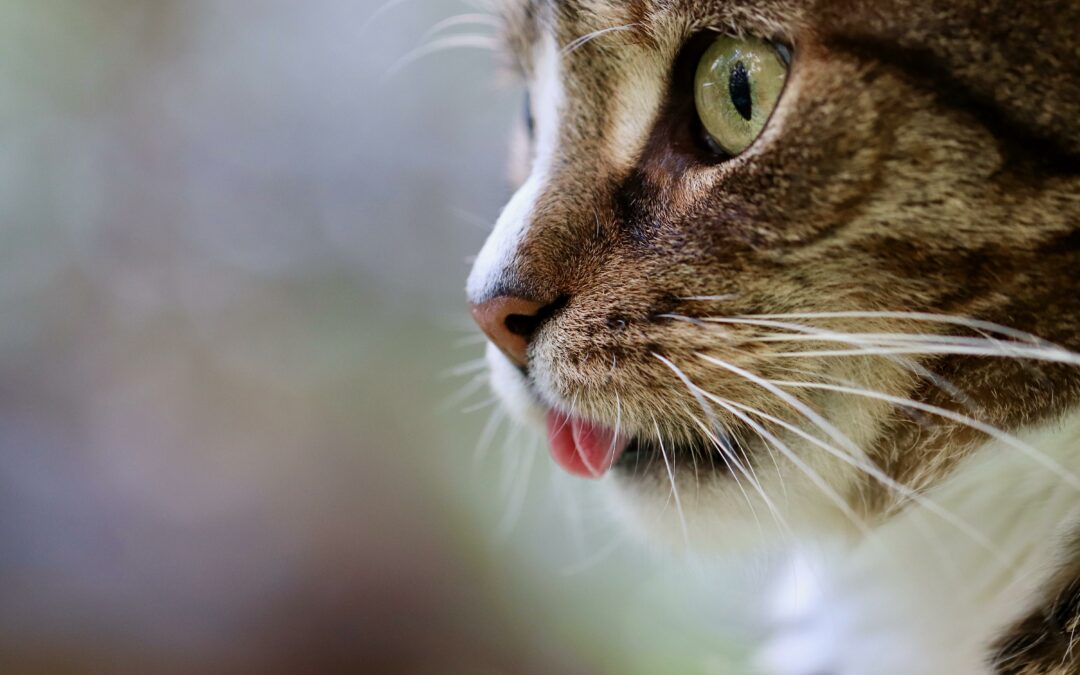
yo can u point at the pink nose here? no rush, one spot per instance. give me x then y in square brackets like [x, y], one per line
[509, 322]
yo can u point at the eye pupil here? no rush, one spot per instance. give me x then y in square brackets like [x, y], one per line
[737, 87]
[739, 90]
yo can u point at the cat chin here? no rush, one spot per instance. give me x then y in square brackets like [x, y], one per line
[715, 513]
[709, 521]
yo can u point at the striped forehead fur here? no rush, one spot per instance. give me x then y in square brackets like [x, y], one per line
[648, 22]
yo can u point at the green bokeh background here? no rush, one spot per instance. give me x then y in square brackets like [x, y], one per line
[232, 249]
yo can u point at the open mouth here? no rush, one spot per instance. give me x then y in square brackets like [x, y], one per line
[589, 450]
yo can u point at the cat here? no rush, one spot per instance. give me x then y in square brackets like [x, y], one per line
[809, 271]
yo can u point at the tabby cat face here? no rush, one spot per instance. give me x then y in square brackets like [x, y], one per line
[674, 301]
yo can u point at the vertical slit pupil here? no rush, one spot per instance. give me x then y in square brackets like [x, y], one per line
[739, 90]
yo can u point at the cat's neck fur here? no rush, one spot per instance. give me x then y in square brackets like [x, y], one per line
[921, 595]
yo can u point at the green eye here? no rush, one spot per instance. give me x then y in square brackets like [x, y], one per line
[737, 86]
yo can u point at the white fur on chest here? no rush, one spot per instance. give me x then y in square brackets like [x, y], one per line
[920, 596]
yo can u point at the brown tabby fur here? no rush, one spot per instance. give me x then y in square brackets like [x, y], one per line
[925, 157]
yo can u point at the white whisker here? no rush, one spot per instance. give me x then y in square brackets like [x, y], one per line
[884, 339]
[471, 387]
[727, 457]
[378, 13]
[593, 560]
[857, 457]
[674, 487]
[877, 474]
[809, 332]
[467, 368]
[589, 37]
[470, 341]
[439, 45]
[709, 298]
[510, 469]
[915, 316]
[491, 428]
[685, 319]
[901, 343]
[987, 429]
[517, 497]
[471, 19]
[795, 403]
[750, 477]
[814, 476]
[618, 422]
[477, 407]
[1052, 356]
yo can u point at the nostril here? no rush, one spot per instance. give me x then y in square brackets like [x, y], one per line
[525, 325]
[520, 324]
[510, 322]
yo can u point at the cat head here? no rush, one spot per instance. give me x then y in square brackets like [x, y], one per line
[764, 253]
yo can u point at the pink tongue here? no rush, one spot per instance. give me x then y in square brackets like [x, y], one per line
[581, 448]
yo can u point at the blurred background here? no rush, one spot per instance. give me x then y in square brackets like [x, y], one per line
[242, 425]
